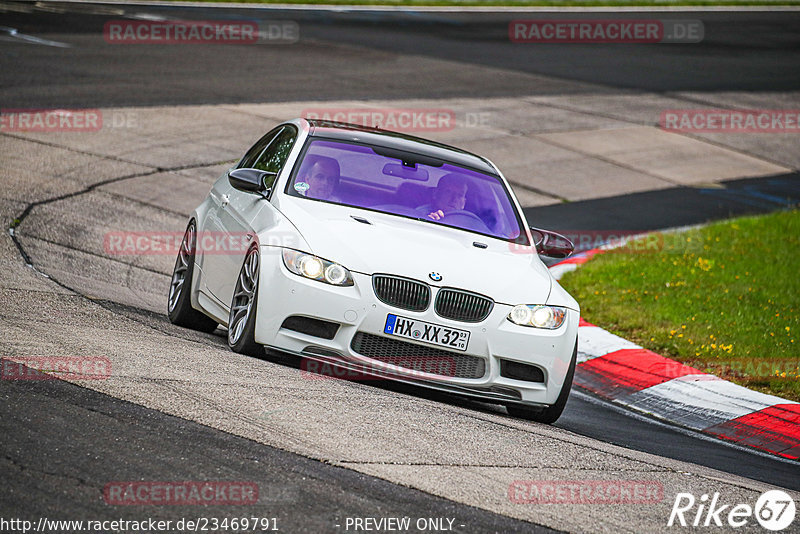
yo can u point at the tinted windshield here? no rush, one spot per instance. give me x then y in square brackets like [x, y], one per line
[408, 185]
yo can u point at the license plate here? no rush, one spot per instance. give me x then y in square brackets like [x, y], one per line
[434, 334]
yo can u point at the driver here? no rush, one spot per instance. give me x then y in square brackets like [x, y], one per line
[450, 195]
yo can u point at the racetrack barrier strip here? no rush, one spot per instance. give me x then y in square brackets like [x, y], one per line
[618, 370]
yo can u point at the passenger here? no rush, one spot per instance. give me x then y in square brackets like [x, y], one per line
[321, 179]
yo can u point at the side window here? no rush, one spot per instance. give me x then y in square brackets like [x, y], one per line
[256, 150]
[274, 156]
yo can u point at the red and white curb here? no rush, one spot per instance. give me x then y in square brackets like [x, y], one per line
[617, 370]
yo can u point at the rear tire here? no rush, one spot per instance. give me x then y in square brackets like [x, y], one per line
[179, 301]
[242, 317]
[550, 414]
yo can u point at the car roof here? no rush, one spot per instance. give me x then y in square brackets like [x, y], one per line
[398, 141]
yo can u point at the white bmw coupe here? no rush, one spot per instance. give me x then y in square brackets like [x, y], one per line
[385, 254]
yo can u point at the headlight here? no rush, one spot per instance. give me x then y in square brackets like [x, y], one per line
[310, 266]
[550, 317]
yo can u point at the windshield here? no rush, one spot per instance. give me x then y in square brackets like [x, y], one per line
[408, 185]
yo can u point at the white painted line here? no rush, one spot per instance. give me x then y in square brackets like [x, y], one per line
[12, 32]
[561, 269]
[593, 342]
[699, 401]
[668, 424]
[146, 16]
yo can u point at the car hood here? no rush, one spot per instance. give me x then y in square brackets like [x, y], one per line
[414, 249]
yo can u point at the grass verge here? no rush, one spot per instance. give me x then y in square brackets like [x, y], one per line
[723, 299]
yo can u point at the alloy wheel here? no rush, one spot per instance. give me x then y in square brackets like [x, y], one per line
[243, 297]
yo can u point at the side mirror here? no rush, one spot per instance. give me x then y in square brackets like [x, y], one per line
[551, 244]
[251, 180]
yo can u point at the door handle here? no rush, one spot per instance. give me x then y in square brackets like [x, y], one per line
[226, 199]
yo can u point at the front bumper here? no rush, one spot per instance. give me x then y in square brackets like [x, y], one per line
[357, 309]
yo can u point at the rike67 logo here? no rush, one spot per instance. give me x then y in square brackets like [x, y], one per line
[774, 510]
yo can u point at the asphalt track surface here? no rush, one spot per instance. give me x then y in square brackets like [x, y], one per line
[306, 495]
[38, 415]
[748, 51]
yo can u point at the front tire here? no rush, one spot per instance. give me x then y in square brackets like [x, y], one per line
[179, 301]
[242, 317]
[550, 414]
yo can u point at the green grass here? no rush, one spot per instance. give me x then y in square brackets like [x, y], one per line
[723, 299]
[527, 3]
